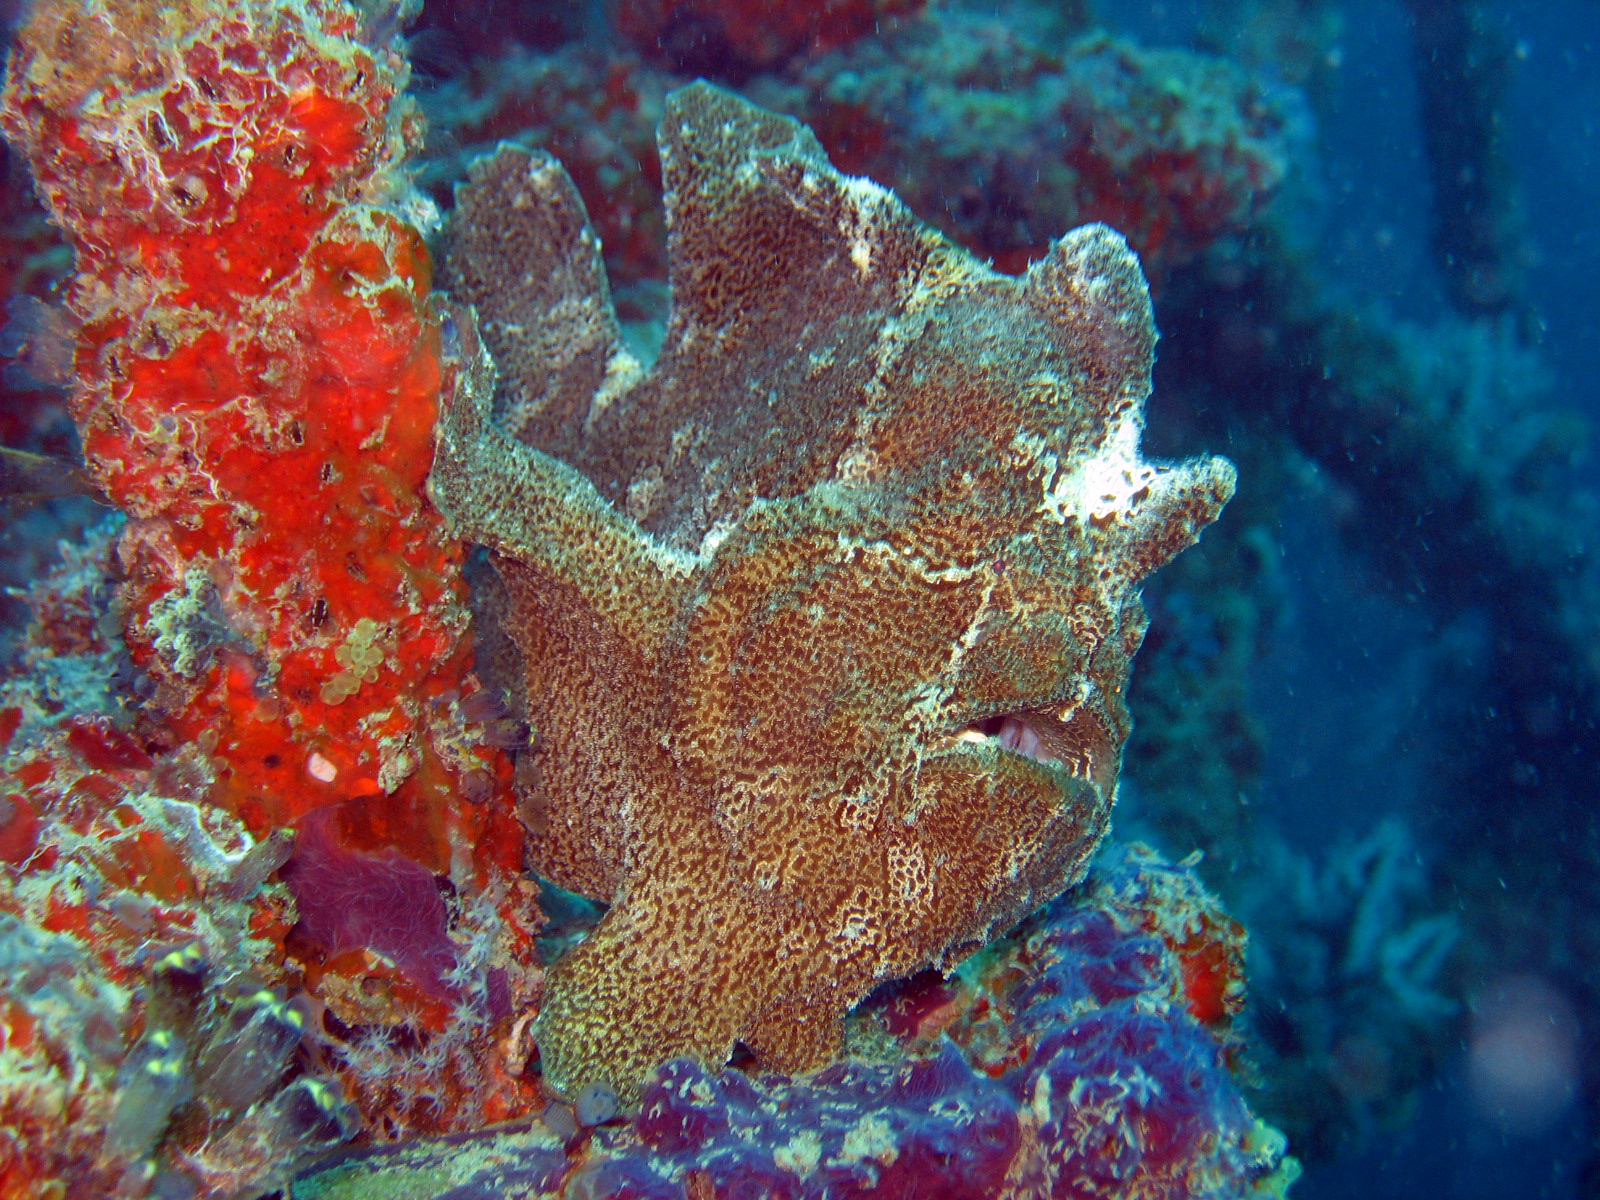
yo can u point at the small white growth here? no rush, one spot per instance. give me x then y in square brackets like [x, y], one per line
[801, 1155]
[869, 1138]
[192, 828]
[861, 254]
[858, 466]
[320, 768]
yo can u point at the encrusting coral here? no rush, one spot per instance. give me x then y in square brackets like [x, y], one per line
[1000, 139]
[1085, 1054]
[826, 617]
[149, 1043]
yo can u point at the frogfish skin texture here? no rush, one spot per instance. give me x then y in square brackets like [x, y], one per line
[824, 619]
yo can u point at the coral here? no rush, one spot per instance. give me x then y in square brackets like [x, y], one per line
[853, 563]
[729, 39]
[1430, 449]
[1065, 1060]
[999, 142]
[349, 900]
[1445, 457]
[1448, 464]
[1350, 975]
[258, 369]
[145, 1035]
[1002, 143]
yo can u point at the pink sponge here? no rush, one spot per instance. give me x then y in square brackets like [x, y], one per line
[383, 902]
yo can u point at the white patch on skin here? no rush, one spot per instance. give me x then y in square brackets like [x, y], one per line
[1104, 484]
[860, 221]
[1041, 1098]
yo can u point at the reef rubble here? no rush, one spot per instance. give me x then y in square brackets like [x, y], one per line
[1090, 1052]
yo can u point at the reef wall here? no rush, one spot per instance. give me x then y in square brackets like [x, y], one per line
[258, 366]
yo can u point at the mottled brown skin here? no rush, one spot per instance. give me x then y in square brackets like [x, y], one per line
[793, 603]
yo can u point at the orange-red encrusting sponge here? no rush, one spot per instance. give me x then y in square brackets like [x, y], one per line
[258, 373]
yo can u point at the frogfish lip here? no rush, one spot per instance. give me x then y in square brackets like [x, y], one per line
[1027, 732]
[1064, 738]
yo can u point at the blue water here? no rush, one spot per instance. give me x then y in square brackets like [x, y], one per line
[1356, 730]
